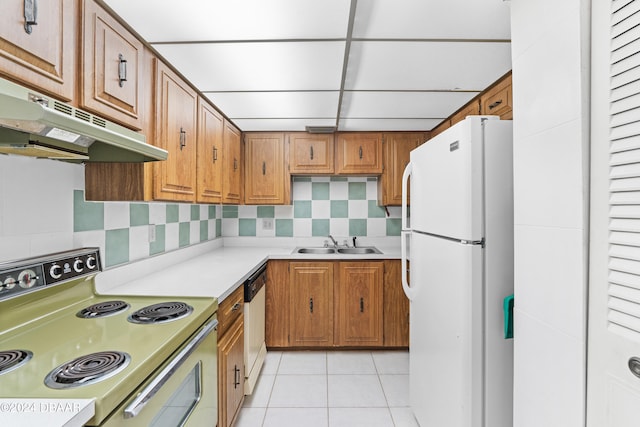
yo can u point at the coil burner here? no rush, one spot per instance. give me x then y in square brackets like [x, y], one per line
[103, 309]
[88, 369]
[13, 359]
[161, 313]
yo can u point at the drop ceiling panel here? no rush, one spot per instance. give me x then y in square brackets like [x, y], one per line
[388, 124]
[276, 104]
[258, 66]
[402, 104]
[281, 124]
[426, 65]
[442, 19]
[191, 20]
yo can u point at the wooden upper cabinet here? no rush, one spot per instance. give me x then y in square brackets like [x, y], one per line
[267, 181]
[209, 154]
[111, 68]
[442, 126]
[359, 153]
[311, 291]
[471, 109]
[44, 55]
[497, 100]
[176, 112]
[359, 306]
[397, 146]
[231, 165]
[310, 153]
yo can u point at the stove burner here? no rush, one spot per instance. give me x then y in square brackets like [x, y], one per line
[87, 369]
[12, 359]
[161, 312]
[102, 309]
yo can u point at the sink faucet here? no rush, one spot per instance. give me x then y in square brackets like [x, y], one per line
[335, 243]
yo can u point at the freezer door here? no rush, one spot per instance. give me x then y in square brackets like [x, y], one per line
[446, 183]
[446, 333]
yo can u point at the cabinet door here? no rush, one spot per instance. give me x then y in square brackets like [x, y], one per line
[209, 157]
[277, 304]
[111, 68]
[396, 307]
[230, 373]
[359, 153]
[471, 109]
[231, 165]
[359, 304]
[265, 168]
[397, 147]
[311, 287]
[42, 55]
[176, 105]
[310, 153]
[497, 99]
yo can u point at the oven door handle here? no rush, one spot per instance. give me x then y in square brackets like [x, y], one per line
[149, 391]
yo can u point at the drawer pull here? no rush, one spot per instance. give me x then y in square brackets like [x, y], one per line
[495, 104]
[311, 153]
[122, 70]
[310, 305]
[360, 152]
[361, 305]
[264, 168]
[235, 307]
[30, 15]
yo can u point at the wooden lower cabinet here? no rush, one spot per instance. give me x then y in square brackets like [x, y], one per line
[311, 293]
[335, 304]
[230, 357]
[395, 306]
[358, 297]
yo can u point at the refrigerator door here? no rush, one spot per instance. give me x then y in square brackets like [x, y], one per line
[447, 183]
[446, 332]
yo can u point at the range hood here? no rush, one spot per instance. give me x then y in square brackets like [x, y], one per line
[32, 124]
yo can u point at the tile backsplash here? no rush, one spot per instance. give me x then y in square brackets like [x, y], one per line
[340, 206]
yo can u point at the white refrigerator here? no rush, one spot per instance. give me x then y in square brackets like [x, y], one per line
[460, 236]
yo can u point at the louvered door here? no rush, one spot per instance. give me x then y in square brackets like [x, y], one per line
[613, 377]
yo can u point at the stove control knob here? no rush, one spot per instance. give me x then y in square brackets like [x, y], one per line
[78, 265]
[91, 262]
[55, 271]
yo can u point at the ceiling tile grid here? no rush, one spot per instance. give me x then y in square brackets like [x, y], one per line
[367, 65]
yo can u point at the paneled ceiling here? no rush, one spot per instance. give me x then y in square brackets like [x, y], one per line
[354, 65]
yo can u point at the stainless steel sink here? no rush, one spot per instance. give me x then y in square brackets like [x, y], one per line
[344, 251]
[315, 251]
[359, 251]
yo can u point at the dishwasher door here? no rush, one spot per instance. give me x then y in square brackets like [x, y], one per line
[255, 349]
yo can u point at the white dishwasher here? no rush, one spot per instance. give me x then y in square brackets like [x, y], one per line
[255, 348]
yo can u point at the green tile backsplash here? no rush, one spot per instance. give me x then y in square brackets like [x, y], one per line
[341, 206]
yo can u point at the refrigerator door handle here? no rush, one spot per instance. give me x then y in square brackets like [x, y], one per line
[409, 291]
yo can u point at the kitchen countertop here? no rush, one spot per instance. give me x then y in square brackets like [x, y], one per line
[49, 412]
[215, 271]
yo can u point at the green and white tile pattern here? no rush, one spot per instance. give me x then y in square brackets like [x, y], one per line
[321, 206]
[123, 229]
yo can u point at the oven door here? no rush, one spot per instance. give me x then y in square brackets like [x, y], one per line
[184, 392]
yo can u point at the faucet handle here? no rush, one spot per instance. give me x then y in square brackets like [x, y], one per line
[354, 241]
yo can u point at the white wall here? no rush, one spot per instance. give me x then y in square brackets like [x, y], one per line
[550, 51]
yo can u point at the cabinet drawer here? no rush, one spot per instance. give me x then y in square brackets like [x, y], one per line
[230, 309]
[497, 100]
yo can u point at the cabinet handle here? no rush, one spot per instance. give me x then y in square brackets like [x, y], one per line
[310, 305]
[495, 104]
[236, 376]
[235, 307]
[264, 168]
[122, 70]
[311, 153]
[360, 152]
[183, 138]
[235, 163]
[361, 305]
[30, 15]
[215, 154]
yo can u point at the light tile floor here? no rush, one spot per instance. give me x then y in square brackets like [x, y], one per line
[330, 389]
